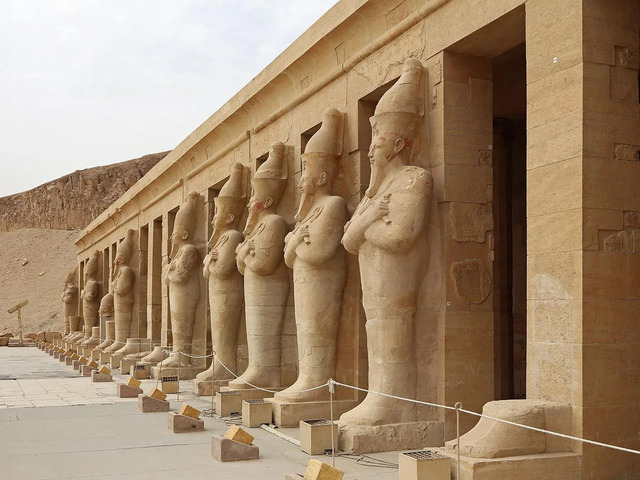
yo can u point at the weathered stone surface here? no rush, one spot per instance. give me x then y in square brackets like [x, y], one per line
[147, 404]
[72, 201]
[227, 450]
[178, 423]
[125, 391]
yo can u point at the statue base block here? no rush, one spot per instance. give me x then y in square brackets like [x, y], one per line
[95, 355]
[181, 423]
[288, 414]
[227, 450]
[68, 361]
[125, 391]
[114, 360]
[206, 388]
[96, 376]
[85, 370]
[183, 373]
[550, 466]
[385, 438]
[147, 404]
[76, 365]
[104, 357]
[87, 351]
[125, 365]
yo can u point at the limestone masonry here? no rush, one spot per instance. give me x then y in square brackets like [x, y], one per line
[430, 199]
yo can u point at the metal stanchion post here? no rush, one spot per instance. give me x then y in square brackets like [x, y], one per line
[333, 447]
[458, 406]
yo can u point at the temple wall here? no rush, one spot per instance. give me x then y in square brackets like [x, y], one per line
[582, 220]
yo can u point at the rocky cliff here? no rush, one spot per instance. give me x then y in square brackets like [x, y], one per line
[73, 201]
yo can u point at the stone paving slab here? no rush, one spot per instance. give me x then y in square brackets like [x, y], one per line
[70, 428]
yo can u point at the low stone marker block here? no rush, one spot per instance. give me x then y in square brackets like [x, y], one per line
[125, 391]
[237, 434]
[315, 436]
[97, 376]
[56, 354]
[75, 356]
[133, 382]
[147, 404]
[178, 423]
[68, 361]
[76, 364]
[93, 364]
[189, 411]
[140, 371]
[83, 361]
[228, 403]
[62, 358]
[106, 370]
[256, 412]
[227, 450]
[85, 370]
[317, 470]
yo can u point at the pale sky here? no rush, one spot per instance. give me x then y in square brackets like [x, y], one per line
[93, 82]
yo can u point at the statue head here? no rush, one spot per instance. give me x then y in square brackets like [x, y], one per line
[230, 202]
[70, 291]
[184, 226]
[320, 161]
[91, 268]
[124, 251]
[268, 184]
[395, 123]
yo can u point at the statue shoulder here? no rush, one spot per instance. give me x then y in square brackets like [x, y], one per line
[235, 236]
[416, 179]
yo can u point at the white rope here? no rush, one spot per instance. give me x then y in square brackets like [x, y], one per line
[489, 417]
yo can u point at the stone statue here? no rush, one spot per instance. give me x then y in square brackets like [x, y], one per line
[226, 291]
[90, 297]
[318, 260]
[70, 301]
[122, 288]
[106, 305]
[182, 275]
[388, 233]
[266, 279]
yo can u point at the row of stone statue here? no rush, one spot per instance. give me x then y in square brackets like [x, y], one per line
[248, 270]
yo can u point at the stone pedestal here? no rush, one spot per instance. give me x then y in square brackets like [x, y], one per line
[147, 404]
[228, 402]
[96, 376]
[184, 373]
[256, 413]
[95, 355]
[56, 354]
[125, 365]
[68, 361]
[384, 438]
[550, 466]
[114, 360]
[291, 414]
[125, 391]
[226, 450]
[251, 393]
[181, 423]
[206, 388]
[104, 357]
[76, 365]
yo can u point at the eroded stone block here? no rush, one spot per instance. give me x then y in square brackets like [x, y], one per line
[147, 404]
[227, 450]
[228, 403]
[97, 376]
[125, 391]
[237, 434]
[179, 423]
[317, 470]
[256, 412]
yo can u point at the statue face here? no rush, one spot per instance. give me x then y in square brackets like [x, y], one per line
[384, 148]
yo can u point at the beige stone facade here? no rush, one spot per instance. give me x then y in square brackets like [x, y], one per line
[531, 133]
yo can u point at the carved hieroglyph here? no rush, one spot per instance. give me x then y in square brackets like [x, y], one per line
[70, 300]
[318, 260]
[226, 289]
[388, 233]
[91, 296]
[182, 275]
[122, 288]
[266, 279]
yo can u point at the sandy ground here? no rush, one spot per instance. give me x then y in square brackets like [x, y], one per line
[50, 255]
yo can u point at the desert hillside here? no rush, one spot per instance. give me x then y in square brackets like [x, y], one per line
[73, 201]
[34, 265]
